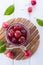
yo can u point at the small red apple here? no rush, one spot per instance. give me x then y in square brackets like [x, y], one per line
[10, 54]
[22, 39]
[5, 25]
[17, 33]
[27, 53]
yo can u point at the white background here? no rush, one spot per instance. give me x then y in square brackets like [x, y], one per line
[21, 11]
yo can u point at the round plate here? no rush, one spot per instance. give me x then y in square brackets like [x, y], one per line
[33, 41]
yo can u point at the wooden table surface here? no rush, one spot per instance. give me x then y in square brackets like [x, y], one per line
[21, 11]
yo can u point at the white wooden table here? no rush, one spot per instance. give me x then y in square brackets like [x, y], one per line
[21, 11]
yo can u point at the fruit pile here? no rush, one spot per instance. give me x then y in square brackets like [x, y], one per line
[16, 34]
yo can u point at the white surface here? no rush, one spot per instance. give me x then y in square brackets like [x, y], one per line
[21, 11]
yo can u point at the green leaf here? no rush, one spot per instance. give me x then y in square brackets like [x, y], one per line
[40, 22]
[1, 43]
[9, 10]
[2, 47]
